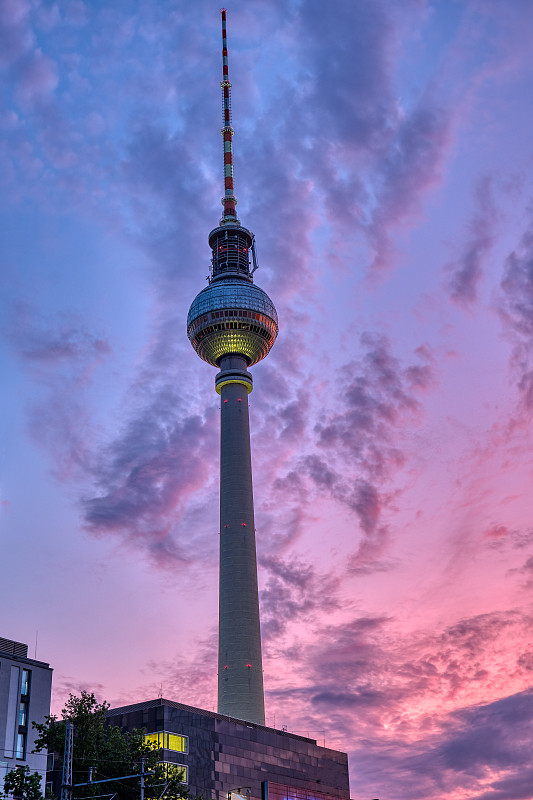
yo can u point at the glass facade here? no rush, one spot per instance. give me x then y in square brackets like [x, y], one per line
[232, 294]
[232, 316]
[212, 344]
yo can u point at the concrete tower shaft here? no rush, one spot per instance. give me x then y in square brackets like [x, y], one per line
[240, 674]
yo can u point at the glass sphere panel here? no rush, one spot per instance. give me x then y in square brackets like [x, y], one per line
[232, 294]
[232, 317]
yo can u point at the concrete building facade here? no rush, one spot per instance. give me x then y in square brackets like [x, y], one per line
[25, 690]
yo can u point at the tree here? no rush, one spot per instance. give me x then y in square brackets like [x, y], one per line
[110, 753]
[21, 784]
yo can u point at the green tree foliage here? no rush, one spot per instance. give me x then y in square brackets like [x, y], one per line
[110, 752]
[21, 784]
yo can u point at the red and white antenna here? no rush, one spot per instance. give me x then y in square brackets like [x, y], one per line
[229, 200]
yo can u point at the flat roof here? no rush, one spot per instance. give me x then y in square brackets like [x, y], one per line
[160, 701]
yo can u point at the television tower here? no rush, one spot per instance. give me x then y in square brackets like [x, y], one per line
[232, 324]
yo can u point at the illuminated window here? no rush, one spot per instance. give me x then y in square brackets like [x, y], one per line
[177, 743]
[168, 741]
[179, 771]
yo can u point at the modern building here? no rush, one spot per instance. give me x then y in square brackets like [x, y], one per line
[221, 756]
[25, 690]
[232, 324]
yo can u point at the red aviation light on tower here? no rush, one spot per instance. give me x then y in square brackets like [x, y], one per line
[229, 200]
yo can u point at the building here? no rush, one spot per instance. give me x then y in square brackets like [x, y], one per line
[25, 689]
[232, 324]
[222, 756]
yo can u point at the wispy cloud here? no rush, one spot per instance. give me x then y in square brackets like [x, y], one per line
[517, 311]
[294, 593]
[147, 475]
[467, 269]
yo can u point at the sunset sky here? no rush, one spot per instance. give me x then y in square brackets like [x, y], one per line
[383, 159]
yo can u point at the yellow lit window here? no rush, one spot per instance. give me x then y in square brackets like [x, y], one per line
[178, 743]
[168, 741]
[179, 771]
[156, 738]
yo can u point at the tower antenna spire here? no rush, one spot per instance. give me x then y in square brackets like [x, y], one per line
[229, 200]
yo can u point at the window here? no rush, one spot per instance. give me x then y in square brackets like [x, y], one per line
[179, 771]
[25, 683]
[168, 741]
[23, 714]
[177, 743]
[21, 746]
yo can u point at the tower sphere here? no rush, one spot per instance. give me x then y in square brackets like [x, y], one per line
[232, 316]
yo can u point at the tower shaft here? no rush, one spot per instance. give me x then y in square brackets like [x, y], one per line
[240, 672]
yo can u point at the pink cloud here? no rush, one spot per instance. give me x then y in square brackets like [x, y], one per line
[497, 532]
[409, 702]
